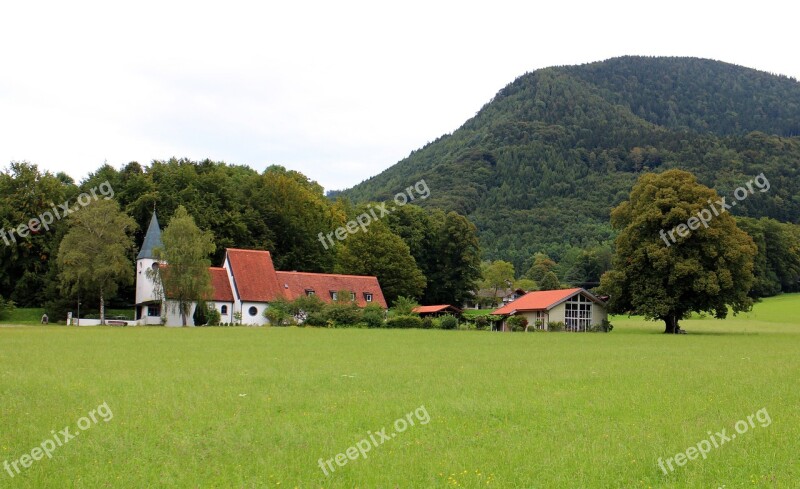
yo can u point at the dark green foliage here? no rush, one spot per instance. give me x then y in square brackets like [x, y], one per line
[604, 327]
[777, 264]
[707, 270]
[481, 322]
[556, 326]
[448, 321]
[6, 307]
[316, 319]
[445, 248]
[427, 323]
[517, 323]
[373, 316]
[404, 322]
[549, 282]
[381, 253]
[200, 316]
[206, 314]
[540, 167]
[343, 313]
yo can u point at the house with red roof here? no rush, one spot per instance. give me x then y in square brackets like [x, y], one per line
[577, 308]
[246, 283]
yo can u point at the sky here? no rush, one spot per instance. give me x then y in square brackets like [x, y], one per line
[336, 90]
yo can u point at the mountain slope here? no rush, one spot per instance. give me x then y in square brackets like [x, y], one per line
[541, 165]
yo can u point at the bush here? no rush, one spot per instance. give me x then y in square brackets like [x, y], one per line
[556, 326]
[199, 317]
[449, 321]
[342, 313]
[427, 323]
[7, 307]
[404, 322]
[436, 323]
[212, 316]
[277, 313]
[467, 326]
[306, 304]
[316, 319]
[372, 316]
[517, 323]
[481, 322]
[604, 327]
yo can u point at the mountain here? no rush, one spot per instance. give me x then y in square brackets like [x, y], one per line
[540, 166]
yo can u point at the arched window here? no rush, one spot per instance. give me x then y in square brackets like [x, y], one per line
[224, 310]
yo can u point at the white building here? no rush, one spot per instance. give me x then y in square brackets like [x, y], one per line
[245, 284]
[577, 308]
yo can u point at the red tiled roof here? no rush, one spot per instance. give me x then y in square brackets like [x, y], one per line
[432, 309]
[221, 284]
[296, 284]
[253, 274]
[537, 301]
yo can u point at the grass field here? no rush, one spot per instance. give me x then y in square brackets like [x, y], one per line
[258, 407]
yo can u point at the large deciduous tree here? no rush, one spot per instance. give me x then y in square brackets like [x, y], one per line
[705, 270]
[379, 252]
[497, 275]
[184, 279]
[457, 267]
[94, 256]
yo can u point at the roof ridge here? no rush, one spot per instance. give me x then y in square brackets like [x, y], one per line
[249, 251]
[328, 274]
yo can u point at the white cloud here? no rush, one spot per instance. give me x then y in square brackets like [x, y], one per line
[337, 90]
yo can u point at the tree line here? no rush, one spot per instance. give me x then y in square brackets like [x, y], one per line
[427, 254]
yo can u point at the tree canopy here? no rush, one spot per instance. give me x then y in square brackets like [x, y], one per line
[185, 278]
[708, 269]
[94, 256]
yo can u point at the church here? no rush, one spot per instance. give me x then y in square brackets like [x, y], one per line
[245, 284]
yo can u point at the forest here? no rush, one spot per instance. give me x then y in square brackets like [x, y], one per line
[540, 167]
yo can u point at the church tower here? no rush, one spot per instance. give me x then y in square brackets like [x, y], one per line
[148, 305]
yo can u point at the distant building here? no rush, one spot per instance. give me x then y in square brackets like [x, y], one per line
[245, 283]
[489, 298]
[437, 310]
[578, 309]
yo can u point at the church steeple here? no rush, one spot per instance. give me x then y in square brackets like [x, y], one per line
[152, 239]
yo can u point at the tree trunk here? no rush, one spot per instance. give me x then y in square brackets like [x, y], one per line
[184, 313]
[671, 323]
[102, 309]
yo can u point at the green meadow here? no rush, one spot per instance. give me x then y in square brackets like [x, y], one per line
[259, 407]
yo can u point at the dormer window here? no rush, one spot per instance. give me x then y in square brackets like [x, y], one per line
[309, 292]
[334, 295]
[352, 296]
[367, 297]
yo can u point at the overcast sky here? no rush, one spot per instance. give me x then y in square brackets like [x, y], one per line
[338, 90]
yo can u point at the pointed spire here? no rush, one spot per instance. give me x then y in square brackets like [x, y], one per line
[152, 239]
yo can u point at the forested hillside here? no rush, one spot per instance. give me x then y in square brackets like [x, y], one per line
[541, 165]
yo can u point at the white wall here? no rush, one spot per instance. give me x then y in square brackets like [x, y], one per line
[259, 318]
[145, 290]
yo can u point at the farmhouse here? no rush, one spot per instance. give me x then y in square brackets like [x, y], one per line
[245, 284]
[578, 309]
